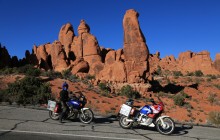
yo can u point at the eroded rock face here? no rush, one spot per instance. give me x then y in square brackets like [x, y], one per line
[217, 62]
[58, 57]
[135, 50]
[81, 67]
[40, 56]
[86, 46]
[66, 36]
[186, 62]
[196, 61]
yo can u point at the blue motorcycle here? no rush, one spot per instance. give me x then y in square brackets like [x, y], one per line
[76, 109]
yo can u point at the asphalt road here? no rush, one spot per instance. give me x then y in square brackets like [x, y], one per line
[32, 124]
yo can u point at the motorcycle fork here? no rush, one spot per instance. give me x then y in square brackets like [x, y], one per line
[162, 122]
[82, 111]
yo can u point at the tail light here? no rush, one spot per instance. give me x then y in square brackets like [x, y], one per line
[132, 111]
[56, 109]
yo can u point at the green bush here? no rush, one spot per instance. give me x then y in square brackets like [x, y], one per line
[214, 118]
[129, 92]
[4, 96]
[212, 76]
[103, 86]
[52, 74]
[66, 73]
[73, 78]
[6, 71]
[217, 86]
[29, 90]
[199, 73]
[177, 73]
[179, 100]
[90, 77]
[158, 71]
[33, 72]
[190, 73]
[212, 98]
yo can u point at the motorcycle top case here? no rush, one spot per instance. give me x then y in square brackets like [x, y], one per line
[145, 110]
[74, 103]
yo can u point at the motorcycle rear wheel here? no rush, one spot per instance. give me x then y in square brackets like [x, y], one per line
[87, 116]
[123, 123]
[168, 128]
[53, 115]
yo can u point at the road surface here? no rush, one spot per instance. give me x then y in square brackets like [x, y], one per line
[32, 124]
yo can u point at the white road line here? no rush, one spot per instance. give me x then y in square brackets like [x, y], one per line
[60, 134]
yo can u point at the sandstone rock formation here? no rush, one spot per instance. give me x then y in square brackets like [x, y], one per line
[58, 57]
[132, 64]
[186, 62]
[217, 62]
[4, 57]
[136, 52]
[66, 36]
[86, 46]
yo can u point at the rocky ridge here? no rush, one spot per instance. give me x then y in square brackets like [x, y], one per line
[133, 64]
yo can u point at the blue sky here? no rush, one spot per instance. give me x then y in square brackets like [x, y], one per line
[169, 26]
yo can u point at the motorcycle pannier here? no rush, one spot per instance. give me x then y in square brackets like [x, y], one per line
[51, 105]
[125, 110]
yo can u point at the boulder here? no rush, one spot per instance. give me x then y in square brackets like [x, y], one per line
[82, 67]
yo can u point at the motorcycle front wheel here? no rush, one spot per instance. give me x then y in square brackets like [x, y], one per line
[87, 116]
[124, 123]
[168, 126]
[53, 115]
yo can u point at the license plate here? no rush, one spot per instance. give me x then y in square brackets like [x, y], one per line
[125, 110]
[51, 105]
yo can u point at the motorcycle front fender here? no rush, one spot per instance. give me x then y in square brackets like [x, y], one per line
[161, 119]
[83, 109]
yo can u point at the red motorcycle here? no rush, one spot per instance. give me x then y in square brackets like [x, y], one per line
[148, 115]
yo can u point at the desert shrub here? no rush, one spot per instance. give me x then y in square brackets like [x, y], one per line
[103, 86]
[129, 92]
[158, 71]
[90, 77]
[105, 89]
[26, 69]
[29, 90]
[177, 73]
[198, 73]
[4, 96]
[212, 76]
[214, 118]
[179, 100]
[52, 74]
[66, 73]
[190, 73]
[73, 78]
[185, 95]
[6, 71]
[212, 98]
[217, 86]
[33, 72]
